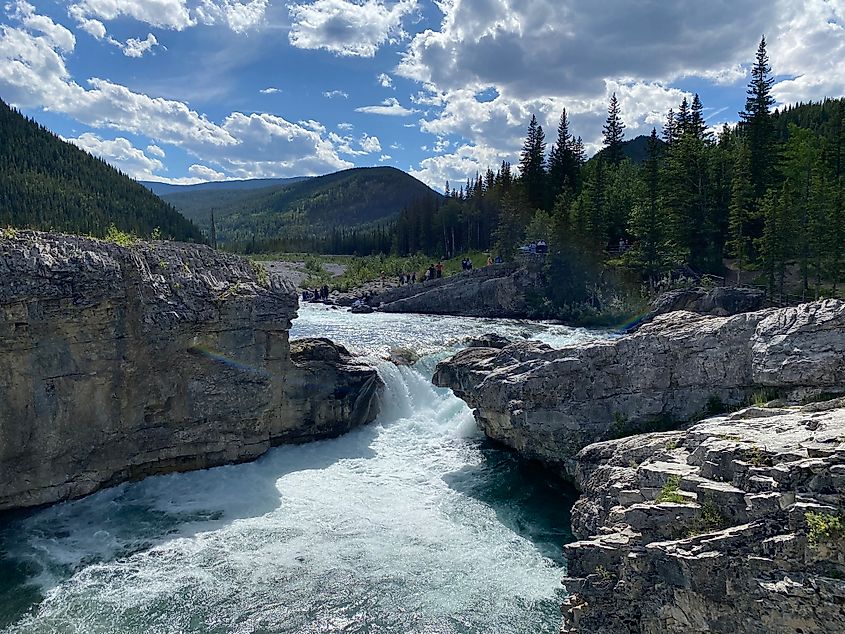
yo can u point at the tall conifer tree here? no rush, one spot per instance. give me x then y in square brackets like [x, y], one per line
[614, 133]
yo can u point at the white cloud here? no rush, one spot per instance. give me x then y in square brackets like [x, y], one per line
[33, 74]
[121, 153]
[384, 157]
[389, 107]
[466, 161]
[346, 27]
[385, 80]
[270, 91]
[238, 15]
[331, 94]
[205, 173]
[171, 14]
[156, 151]
[137, 48]
[538, 56]
[55, 34]
[345, 126]
[370, 144]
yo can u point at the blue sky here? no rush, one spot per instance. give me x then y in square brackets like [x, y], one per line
[191, 90]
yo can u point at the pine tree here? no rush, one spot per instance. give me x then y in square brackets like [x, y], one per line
[614, 133]
[532, 164]
[682, 119]
[646, 223]
[213, 232]
[741, 209]
[697, 125]
[563, 165]
[757, 122]
[669, 128]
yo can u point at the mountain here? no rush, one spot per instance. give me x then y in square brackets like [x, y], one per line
[165, 189]
[359, 197]
[635, 150]
[822, 117]
[47, 183]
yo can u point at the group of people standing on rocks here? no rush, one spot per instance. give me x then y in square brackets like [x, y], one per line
[407, 278]
[317, 295]
[466, 264]
[435, 271]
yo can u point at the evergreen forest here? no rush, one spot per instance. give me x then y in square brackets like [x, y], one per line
[49, 184]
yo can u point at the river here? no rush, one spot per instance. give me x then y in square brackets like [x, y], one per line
[412, 524]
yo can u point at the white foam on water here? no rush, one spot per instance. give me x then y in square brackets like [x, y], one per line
[377, 531]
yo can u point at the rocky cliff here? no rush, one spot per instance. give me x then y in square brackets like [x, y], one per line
[493, 291]
[118, 362]
[733, 525]
[549, 404]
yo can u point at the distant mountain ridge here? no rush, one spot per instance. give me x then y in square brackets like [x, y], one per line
[353, 198]
[49, 184]
[635, 150]
[165, 189]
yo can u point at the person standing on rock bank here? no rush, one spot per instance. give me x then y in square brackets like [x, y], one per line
[439, 269]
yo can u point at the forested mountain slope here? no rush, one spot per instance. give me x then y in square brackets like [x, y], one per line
[47, 183]
[360, 197]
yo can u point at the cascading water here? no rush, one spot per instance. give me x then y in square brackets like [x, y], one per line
[412, 524]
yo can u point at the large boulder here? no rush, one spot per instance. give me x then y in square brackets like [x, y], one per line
[548, 404]
[734, 525]
[121, 361]
[722, 301]
[492, 291]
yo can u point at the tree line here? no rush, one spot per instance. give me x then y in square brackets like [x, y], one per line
[765, 195]
[49, 184]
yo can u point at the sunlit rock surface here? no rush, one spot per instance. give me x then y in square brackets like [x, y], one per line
[712, 529]
[120, 362]
[548, 404]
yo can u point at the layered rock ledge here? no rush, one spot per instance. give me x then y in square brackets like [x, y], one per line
[118, 362]
[548, 404]
[492, 291]
[734, 525]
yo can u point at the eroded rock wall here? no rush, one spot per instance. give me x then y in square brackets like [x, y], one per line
[120, 362]
[734, 525]
[548, 404]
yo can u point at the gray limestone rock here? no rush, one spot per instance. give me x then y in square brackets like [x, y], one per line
[712, 529]
[120, 362]
[548, 403]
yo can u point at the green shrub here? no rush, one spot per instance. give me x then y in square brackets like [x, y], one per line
[671, 492]
[711, 520]
[120, 238]
[823, 528]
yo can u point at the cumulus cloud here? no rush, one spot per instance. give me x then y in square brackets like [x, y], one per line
[332, 94]
[538, 56]
[205, 173]
[456, 167]
[156, 151]
[370, 144]
[385, 80]
[33, 74]
[346, 27]
[121, 153]
[137, 48]
[171, 14]
[56, 35]
[270, 91]
[389, 107]
[238, 15]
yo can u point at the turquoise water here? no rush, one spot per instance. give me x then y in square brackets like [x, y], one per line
[412, 524]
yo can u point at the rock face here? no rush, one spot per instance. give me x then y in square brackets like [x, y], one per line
[493, 291]
[718, 302]
[549, 404]
[120, 362]
[734, 525]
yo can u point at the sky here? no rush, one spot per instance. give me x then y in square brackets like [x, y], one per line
[184, 91]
